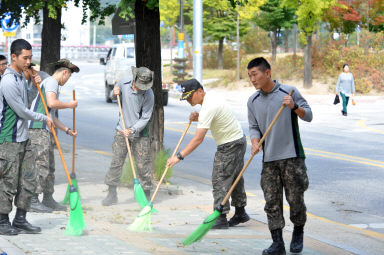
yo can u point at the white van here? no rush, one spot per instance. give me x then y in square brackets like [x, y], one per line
[118, 63]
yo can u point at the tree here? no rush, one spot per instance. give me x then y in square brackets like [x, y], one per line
[309, 13]
[51, 32]
[273, 17]
[148, 54]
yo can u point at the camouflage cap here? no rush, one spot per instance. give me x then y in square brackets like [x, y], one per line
[66, 63]
[143, 77]
[188, 87]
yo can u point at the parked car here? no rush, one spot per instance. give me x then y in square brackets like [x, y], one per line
[118, 64]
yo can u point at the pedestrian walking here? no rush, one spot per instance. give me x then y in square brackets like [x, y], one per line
[17, 162]
[137, 101]
[42, 140]
[216, 115]
[345, 87]
[283, 154]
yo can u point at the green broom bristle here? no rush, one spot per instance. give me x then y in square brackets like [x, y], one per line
[143, 220]
[74, 183]
[76, 223]
[139, 193]
[200, 232]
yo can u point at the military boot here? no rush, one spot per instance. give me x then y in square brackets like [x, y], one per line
[111, 198]
[277, 247]
[221, 222]
[50, 202]
[6, 227]
[297, 239]
[240, 217]
[22, 225]
[38, 207]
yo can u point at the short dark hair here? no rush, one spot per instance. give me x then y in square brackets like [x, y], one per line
[18, 45]
[261, 63]
[345, 65]
[2, 57]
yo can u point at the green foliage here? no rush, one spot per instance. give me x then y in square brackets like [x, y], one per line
[273, 16]
[210, 56]
[31, 9]
[169, 11]
[128, 6]
[160, 164]
[255, 41]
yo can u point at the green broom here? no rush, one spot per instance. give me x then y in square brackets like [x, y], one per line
[73, 174]
[138, 191]
[200, 232]
[143, 220]
[76, 223]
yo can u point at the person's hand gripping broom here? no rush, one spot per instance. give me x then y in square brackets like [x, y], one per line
[143, 220]
[200, 232]
[73, 174]
[75, 225]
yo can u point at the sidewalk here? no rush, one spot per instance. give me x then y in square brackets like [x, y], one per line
[182, 207]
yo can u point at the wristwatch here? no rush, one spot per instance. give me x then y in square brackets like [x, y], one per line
[295, 107]
[179, 156]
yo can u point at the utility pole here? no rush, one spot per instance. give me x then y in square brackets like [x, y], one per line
[198, 40]
[238, 45]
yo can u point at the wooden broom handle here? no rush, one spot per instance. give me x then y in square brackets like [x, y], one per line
[173, 154]
[126, 138]
[250, 159]
[55, 136]
[73, 138]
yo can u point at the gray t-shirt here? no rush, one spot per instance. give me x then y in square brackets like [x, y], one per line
[50, 84]
[32, 89]
[283, 140]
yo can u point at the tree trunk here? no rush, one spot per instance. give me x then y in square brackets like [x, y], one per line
[220, 54]
[274, 41]
[286, 34]
[148, 54]
[308, 63]
[50, 40]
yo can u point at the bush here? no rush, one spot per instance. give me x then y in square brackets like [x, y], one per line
[160, 163]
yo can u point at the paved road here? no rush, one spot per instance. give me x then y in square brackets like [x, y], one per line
[345, 157]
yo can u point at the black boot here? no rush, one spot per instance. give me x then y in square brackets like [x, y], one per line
[148, 194]
[277, 247]
[38, 207]
[22, 225]
[111, 198]
[297, 239]
[50, 202]
[240, 217]
[221, 222]
[6, 227]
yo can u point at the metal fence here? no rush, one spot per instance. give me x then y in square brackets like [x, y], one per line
[76, 52]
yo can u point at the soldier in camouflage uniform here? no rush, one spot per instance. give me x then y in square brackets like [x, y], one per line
[137, 101]
[283, 158]
[42, 139]
[216, 115]
[17, 162]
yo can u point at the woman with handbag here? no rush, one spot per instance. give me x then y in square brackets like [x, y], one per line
[345, 87]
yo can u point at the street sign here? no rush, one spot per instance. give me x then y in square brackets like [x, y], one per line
[121, 26]
[7, 25]
[9, 34]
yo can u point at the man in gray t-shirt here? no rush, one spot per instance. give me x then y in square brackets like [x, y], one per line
[42, 139]
[283, 154]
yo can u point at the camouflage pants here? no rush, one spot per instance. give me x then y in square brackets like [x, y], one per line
[290, 175]
[17, 175]
[228, 162]
[42, 143]
[140, 147]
